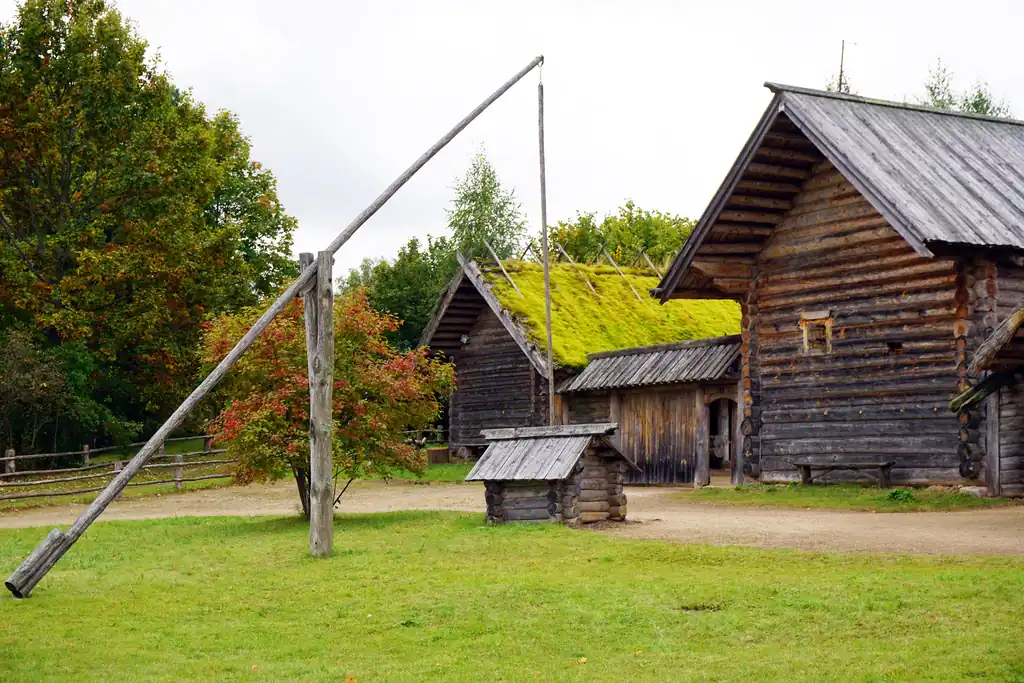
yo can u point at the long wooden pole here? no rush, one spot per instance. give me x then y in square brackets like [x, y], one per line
[544, 250]
[53, 547]
[321, 423]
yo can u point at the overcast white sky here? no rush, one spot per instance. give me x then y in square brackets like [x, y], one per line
[645, 100]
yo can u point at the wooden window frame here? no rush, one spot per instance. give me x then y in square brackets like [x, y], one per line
[814, 319]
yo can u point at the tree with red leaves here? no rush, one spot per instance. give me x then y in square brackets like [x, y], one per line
[380, 395]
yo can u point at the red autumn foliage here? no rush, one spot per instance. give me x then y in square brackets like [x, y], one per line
[380, 395]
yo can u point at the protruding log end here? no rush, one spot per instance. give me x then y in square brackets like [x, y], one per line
[23, 579]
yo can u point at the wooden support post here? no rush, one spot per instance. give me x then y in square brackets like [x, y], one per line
[35, 567]
[85, 455]
[207, 444]
[737, 437]
[722, 436]
[9, 464]
[701, 474]
[320, 352]
[179, 471]
[615, 416]
[992, 475]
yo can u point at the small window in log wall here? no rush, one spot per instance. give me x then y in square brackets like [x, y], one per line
[817, 328]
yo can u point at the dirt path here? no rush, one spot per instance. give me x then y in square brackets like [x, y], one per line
[661, 516]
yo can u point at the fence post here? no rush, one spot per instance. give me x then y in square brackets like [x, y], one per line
[9, 464]
[117, 468]
[207, 444]
[179, 471]
[85, 455]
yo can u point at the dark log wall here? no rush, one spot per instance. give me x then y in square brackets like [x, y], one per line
[587, 408]
[1011, 440]
[497, 386]
[883, 391]
[657, 431]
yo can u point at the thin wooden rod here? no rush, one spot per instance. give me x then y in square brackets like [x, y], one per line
[544, 249]
[578, 269]
[616, 267]
[651, 264]
[529, 245]
[24, 579]
[500, 265]
[598, 256]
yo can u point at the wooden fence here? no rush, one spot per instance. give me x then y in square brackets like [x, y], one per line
[180, 463]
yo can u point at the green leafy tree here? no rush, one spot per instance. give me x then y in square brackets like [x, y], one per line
[483, 210]
[406, 287]
[128, 215]
[624, 234]
[941, 93]
[380, 394]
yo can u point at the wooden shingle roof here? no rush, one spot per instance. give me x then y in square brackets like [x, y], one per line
[693, 361]
[538, 453]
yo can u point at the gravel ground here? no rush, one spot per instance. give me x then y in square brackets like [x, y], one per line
[655, 513]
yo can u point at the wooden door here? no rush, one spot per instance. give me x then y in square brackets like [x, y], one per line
[656, 431]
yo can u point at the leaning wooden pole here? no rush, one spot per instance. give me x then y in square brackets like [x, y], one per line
[544, 251]
[53, 547]
[321, 423]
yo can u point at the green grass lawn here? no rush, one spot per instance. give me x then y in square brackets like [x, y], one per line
[445, 472]
[844, 497]
[443, 597]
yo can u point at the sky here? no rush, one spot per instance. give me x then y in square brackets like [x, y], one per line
[644, 100]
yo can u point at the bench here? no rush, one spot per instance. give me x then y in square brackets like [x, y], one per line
[884, 468]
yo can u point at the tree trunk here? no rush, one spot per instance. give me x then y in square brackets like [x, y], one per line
[302, 482]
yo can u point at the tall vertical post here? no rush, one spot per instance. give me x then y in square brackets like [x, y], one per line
[320, 332]
[701, 474]
[544, 250]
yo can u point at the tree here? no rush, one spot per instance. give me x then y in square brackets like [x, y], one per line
[407, 287]
[624, 234]
[940, 93]
[129, 216]
[379, 395]
[483, 210]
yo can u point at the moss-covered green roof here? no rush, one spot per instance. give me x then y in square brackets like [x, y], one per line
[614, 319]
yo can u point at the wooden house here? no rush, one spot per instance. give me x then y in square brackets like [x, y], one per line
[872, 247]
[675, 404]
[569, 473]
[490, 321]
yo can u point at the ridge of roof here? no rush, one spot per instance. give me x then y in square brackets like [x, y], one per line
[778, 88]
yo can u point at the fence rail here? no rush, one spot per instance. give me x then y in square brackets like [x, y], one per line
[12, 479]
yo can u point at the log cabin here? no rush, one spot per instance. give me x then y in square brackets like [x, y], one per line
[872, 247]
[490, 322]
[675, 405]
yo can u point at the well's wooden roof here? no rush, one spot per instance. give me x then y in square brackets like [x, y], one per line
[538, 453]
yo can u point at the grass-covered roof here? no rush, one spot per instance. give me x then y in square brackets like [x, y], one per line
[614, 319]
